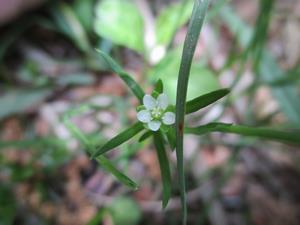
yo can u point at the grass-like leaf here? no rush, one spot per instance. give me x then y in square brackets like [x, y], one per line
[119, 139]
[197, 19]
[67, 23]
[102, 160]
[205, 100]
[19, 100]
[268, 68]
[145, 136]
[164, 167]
[131, 83]
[171, 136]
[33, 143]
[266, 133]
[108, 166]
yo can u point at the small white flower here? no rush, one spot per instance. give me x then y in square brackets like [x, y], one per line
[155, 112]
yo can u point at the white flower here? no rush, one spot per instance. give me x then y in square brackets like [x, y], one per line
[155, 112]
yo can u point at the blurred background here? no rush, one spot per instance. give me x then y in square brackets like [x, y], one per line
[49, 65]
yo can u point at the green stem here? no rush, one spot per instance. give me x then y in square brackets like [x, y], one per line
[266, 133]
[191, 39]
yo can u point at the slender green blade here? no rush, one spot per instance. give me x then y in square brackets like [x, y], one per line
[32, 143]
[116, 68]
[197, 19]
[268, 69]
[265, 133]
[164, 167]
[119, 139]
[205, 100]
[103, 161]
[171, 136]
[19, 100]
[146, 135]
[107, 165]
[68, 23]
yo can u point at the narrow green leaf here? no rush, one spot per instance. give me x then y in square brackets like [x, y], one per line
[116, 68]
[103, 161]
[171, 138]
[159, 86]
[69, 25]
[205, 100]
[19, 100]
[146, 135]
[266, 133]
[107, 165]
[32, 143]
[268, 68]
[289, 81]
[261, 30]
[75, 79]
[119, 139]
[164, 167]
[197, 19]
[111, 63]
[85, 12]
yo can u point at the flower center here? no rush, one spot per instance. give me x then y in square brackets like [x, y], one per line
[156, 113]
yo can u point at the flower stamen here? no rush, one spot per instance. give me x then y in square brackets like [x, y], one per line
[156, 113]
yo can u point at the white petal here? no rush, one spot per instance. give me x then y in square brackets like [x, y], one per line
[149, 102]
[168, 118]
[144, 116]
[163, 101]
[154, 125]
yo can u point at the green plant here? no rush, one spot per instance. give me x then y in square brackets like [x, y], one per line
[156, 118]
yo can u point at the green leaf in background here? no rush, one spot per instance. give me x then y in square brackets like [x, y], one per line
[201, 81]
[75, 79]
[164, 167]
[17, 101]
[68, 24]
[170, 19]
[12, 34]
[205, 100]
[119, 139]
[290, 78]
[98, 218]
[103, 161]
[85, 12]
[8, 208]
[115, 67]
[125, 211]
[266, 133]
[195, 25]
[121, 22]
[33, 143]
[268, 69]
[159, 86]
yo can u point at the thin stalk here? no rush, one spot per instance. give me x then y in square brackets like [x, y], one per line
[197, 19]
